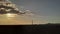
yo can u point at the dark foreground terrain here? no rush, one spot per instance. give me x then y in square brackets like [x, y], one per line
[31, 29]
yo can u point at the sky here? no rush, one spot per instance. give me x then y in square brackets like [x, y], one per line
[44, 10]
[41, 7]
[48, 9]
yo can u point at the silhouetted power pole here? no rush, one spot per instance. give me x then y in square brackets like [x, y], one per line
[32, 21]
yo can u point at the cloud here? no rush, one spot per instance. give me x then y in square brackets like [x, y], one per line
[8, 1]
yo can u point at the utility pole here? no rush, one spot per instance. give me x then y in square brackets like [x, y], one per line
[32, 21]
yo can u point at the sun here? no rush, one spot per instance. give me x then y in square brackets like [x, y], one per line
[10, 15]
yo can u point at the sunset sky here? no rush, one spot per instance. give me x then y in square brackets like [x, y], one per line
[45, 11]
[48, 10]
